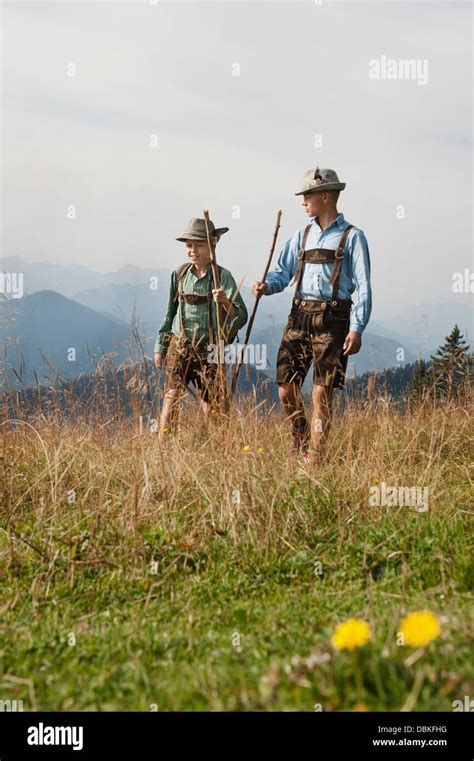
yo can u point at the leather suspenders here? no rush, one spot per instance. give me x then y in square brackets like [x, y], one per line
[324, 256]
[193, 298]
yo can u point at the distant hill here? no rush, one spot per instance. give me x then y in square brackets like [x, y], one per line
[73, 278]
[427, 325]
[129, 303]
[42, 328]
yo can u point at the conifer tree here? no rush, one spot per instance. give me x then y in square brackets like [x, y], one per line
[451, 364]
[421, 378]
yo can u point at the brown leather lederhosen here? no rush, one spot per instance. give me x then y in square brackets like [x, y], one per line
[323, 256]
[188, 362]
[316, 329]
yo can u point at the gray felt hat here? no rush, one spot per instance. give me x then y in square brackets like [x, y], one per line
[318, 180]
[196, 230]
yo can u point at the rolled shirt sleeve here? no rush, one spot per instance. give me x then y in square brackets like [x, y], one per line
[285, 268]
[164, 331]
[360, 272]
[228, 285]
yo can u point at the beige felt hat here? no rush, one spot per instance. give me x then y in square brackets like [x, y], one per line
[196, 230]
[318, 180]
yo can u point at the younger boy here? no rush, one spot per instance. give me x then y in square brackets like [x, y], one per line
[190, 322]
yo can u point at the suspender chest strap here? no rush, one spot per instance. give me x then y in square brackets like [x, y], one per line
[323, 256]
[194, 298]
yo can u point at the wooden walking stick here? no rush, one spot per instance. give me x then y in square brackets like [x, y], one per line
[254, 310]
[221, 373]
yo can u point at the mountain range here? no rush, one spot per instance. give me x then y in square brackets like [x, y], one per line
[73, 307]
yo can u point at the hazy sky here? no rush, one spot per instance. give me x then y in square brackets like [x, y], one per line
[243, 141]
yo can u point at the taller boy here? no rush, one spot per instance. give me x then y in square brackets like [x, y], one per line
[329, 259]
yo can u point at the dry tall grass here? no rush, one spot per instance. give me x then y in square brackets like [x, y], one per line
[236, 476]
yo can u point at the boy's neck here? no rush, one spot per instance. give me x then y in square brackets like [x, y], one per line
[327, 217]
[201, 271]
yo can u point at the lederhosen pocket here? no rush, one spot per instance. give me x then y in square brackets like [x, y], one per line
[338, 315]
[297, 320]
[310, 316]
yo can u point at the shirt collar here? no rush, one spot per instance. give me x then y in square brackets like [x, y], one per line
[207, 272]
[339, 221]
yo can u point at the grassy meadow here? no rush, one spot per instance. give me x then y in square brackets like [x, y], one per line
[210, 573]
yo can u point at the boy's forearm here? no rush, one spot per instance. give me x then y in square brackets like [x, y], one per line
[162, 342]
[229, 307]
[277, 281]
[165, 329]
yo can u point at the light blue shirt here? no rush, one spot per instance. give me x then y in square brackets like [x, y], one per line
[355, 271]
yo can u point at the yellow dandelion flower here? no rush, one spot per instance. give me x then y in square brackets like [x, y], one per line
[246, 448]
[164, 430]
[260, 450]
[351, 634]
[419, 628]
[360, 708]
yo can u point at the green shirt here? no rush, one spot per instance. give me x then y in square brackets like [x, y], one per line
[195, 316]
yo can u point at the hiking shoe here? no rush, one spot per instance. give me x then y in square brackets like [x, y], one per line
[311, 458]
[300, 435]
[300, 442]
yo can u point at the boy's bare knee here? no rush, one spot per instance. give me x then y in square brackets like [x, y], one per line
[285, 392]
[321, 393]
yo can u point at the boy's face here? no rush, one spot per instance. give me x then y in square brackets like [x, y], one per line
[314, 203]
[198, 252]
